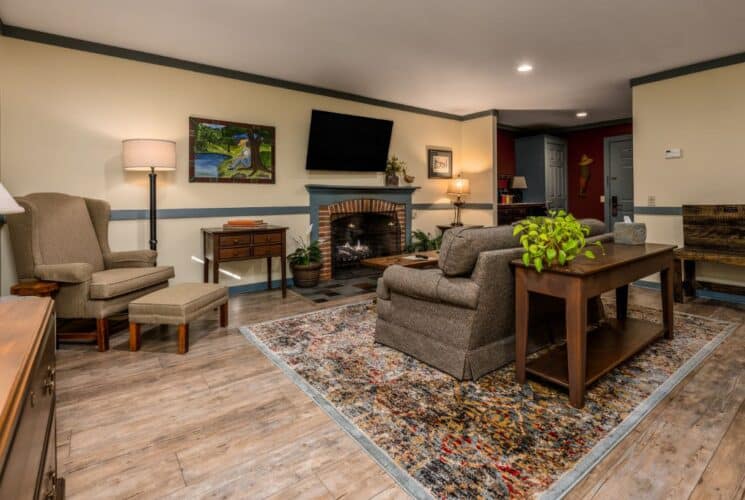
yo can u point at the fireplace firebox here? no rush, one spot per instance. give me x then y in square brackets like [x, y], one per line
[359, 236]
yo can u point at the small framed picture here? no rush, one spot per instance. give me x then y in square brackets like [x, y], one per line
[440, 163]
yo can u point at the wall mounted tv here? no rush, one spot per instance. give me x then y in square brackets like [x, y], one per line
[347, 142]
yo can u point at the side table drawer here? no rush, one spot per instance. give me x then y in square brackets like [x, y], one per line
[264, 238]
[237, 240]
[235, 253]
[268, 251]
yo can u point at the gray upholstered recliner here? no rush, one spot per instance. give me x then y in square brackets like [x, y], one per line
[460, 318]
[64, 238]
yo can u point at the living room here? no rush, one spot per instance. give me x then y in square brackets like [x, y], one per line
[163, 188]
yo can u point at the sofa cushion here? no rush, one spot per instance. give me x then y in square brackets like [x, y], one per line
[431, 285]
[461, 246]
[115, 282]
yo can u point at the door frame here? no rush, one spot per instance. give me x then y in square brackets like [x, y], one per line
[607, 141]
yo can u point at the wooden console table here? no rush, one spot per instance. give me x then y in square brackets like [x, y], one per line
[585, 358]
[228, 245]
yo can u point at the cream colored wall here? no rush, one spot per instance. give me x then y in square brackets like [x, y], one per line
[702, 114]
[64, 113]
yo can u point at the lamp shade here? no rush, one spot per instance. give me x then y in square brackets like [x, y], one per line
[459, 186]
[146, 154]
[519, 182]
[7, 204]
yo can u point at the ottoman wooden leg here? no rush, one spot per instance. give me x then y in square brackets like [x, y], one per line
[135, 336]
[183, 339]
[224, 315]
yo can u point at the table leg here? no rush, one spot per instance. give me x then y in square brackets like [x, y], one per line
[215, 270]
[689, 282]
[666, 288]
[283, 265]
[269, 273]
[206, 277]
[522, 318]
[576, 324]
[622, 302]
[678, 280]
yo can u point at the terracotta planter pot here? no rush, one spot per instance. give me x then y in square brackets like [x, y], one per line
[306, 276]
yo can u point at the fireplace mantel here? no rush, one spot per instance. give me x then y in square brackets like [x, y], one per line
[326, 194]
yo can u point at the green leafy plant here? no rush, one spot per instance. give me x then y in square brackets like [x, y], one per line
[395, 166]
[552, 240]
[422, 242]
[307, 251]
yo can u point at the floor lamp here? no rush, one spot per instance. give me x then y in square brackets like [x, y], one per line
[7, 206]
[149, 155]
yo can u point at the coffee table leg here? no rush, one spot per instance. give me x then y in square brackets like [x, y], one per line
[576, 325]
[667, 285]
[522, 317]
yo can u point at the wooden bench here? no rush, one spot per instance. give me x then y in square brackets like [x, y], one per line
[711, 233]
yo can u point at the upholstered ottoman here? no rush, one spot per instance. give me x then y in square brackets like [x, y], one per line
[177, 305]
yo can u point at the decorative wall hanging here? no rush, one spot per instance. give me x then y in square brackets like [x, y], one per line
[440, 164]
[221, 151]
[584, 174]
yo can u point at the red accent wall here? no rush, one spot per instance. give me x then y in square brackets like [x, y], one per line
[589, 142]
[505, 152]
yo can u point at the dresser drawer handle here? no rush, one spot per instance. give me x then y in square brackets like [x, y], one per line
[51, 493]
[236, 240]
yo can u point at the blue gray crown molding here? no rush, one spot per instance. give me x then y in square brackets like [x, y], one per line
[658, 210]
[698, 67]
[171, 62]
[564, 130]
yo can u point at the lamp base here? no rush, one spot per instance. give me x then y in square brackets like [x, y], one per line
[457, 204]
[153, 223]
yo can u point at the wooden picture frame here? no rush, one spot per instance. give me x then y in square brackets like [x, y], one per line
[439, 163]
[223, 151]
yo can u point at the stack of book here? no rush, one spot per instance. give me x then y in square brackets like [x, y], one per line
[244, 224]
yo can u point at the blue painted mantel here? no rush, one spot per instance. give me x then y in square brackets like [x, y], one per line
[326, 194]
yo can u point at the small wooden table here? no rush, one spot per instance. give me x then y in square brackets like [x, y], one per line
[403, 260]
[227, 245]
[585, 358]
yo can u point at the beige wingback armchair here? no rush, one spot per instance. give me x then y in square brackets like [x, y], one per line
[64, 238]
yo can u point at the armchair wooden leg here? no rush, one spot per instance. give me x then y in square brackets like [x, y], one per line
[224, 315]
[135, 336]
[183, 338]
[102, 334]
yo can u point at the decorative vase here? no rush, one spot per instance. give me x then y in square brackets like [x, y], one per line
[306, 276]
[391, 179]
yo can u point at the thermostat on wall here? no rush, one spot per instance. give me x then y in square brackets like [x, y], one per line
[673, 153]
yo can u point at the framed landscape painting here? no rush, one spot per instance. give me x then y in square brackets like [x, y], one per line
[221, 151]
[440, 164]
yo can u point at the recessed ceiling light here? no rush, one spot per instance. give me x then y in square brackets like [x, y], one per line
[582, 114]
[525, 68]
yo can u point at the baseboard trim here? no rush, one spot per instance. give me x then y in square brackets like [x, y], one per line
[701, 293]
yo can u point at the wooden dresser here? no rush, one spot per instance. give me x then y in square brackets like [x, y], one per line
[28, 445]
[226, 245]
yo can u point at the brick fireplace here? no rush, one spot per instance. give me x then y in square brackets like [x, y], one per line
[386, 209]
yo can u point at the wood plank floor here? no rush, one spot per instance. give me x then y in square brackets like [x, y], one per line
[222, 421]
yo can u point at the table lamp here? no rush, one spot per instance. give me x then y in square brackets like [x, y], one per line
[149, 155]
[519, 182]
[460, 188]
[7, 206]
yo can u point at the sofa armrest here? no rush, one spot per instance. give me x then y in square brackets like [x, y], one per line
[131, 258]
[430, 285]
[78, 272]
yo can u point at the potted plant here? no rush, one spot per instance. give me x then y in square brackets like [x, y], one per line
[556, 239]
[423, 242]
[305, 262]
[393, 168]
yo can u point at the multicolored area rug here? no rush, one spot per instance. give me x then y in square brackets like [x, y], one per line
[492, 438]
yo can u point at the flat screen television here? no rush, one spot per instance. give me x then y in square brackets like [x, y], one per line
[347, 142]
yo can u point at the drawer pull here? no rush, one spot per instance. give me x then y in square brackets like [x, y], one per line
[51, 493]
[49, 382]
[32, 399]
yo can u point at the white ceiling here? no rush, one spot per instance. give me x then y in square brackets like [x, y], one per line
[452, 56]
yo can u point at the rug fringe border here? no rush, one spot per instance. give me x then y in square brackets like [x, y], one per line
[567, 481]
[410, 485]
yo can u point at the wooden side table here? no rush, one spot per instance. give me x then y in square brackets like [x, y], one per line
[227, 245]
[35, 288]
[584, 360]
